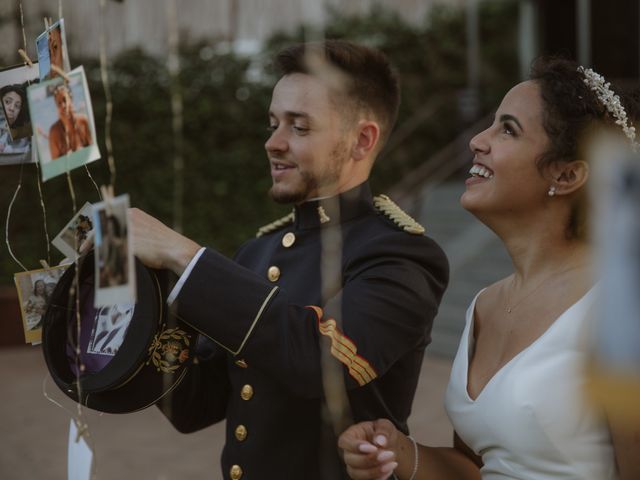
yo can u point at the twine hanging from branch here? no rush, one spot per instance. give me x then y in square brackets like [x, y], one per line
[27, 61]
[173, 66]
[104, 74]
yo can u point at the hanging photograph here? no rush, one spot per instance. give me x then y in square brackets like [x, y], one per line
[63, 123]
[15, 121]
[75, 233]
[114, 267]
[34, 292]
[52, 50]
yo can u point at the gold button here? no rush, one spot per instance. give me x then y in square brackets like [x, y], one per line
[288, 240]
[247, 392]
[235, 472]
[241, 433]
[273, 273]
[241, 363]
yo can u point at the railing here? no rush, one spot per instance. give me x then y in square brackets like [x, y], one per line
[415, 186]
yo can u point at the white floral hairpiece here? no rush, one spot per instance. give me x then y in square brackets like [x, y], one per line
[611, 102]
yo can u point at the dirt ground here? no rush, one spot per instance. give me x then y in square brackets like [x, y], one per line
[143, 445]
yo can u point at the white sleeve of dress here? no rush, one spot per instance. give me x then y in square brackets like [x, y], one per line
[183, 278]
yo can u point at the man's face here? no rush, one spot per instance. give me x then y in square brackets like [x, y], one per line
[63, 102]
[309, 143]
[55, 47]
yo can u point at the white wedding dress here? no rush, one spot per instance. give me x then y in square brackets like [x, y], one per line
[532, 420]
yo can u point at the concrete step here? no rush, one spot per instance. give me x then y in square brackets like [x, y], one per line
[476, 256]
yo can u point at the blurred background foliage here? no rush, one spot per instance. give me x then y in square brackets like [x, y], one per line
[226, 98]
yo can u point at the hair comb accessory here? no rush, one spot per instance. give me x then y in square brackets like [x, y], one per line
[611, 102]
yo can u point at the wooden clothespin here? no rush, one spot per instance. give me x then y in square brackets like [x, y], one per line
[25, 57]
[82, 429]
[60, 72]
[47, 22]
[107, 197]
[44, 264]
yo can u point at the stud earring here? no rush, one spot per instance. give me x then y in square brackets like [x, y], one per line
[552, 191]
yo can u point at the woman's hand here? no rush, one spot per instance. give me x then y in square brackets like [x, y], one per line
[370, 449]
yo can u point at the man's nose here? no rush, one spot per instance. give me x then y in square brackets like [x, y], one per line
[277, 141]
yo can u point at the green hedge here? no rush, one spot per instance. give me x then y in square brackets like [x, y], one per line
[227, 175]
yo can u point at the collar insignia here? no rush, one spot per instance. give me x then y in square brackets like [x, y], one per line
[324, 218]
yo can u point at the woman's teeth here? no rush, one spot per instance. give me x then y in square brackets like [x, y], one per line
[480, 171]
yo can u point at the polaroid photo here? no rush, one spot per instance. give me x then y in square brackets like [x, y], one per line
[34, 292]
[15, 121]
[75, 233]
[62, 117]
[109, 329]
[52, 50]
[114, 264]
[14, 152]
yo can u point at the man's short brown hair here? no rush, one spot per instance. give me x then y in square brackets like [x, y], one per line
[372, 85]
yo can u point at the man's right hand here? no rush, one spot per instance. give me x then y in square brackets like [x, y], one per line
[158, 246]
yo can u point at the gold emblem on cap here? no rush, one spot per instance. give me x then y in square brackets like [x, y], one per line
[273, 274]
[169, 349]
[324, 218]
[241, 433]
[288, 239]
[235, 472]
[247, 392]
[389, 208]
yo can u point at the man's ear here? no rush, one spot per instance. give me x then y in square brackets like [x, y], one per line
[366, 141]
[569, 177]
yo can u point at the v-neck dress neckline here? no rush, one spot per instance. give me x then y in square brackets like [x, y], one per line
[532, 420]
[472, 341]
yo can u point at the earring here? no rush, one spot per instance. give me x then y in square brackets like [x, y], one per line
[552, 191]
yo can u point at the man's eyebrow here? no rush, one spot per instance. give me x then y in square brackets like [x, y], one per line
[506, 117]
[291, 114]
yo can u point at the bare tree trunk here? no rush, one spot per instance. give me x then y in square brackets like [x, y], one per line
[234, 9]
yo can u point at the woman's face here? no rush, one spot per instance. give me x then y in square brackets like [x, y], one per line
[55, 47]
[63, 102]
[12, 102]
[504, 176]
[39, 287]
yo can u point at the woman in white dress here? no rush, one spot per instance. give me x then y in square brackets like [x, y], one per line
[516, 394]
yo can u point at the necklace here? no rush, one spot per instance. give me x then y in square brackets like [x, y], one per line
[509, 309]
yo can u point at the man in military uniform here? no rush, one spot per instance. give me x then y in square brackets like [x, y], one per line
[268, 313]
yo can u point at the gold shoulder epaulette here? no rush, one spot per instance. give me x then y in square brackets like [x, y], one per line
[273, 226]
[389, 208]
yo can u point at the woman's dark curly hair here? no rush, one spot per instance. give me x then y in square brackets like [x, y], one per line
[23, 115]
[571, 110]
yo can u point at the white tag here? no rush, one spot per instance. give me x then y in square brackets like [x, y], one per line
[80, 456]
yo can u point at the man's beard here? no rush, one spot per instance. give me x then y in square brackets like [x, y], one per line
[309, 183]
[320, 184]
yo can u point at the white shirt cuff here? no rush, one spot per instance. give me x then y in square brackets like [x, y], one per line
[183, 278]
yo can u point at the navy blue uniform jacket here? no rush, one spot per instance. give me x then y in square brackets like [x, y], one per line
[265, 317]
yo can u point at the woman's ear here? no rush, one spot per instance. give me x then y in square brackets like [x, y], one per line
[569, 177]
[366, 141]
